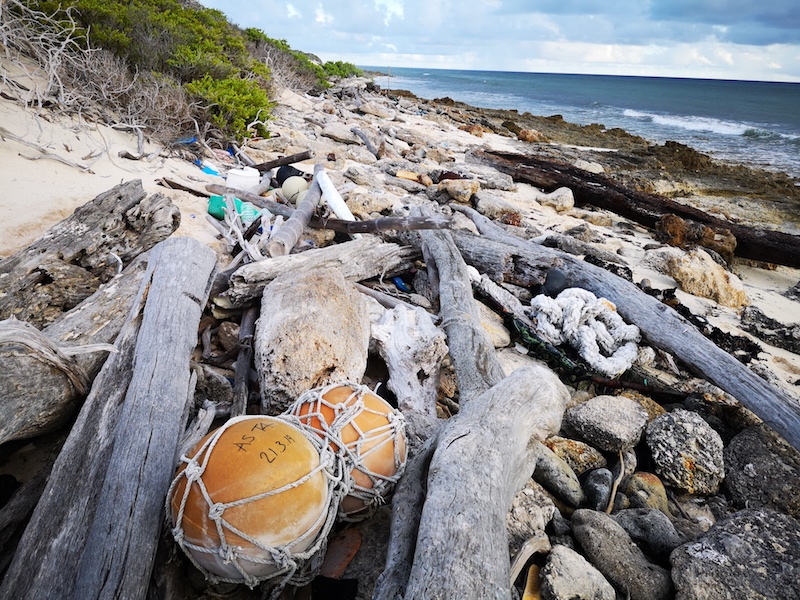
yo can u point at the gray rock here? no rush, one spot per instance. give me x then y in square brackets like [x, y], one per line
[771, 331]
[753, 554]
[763, 471]
[597, 488]
[610, 423]
[652, 531]
[569, 576]
[609, 548]
[557, 478]
[687, 452]
[490, 178]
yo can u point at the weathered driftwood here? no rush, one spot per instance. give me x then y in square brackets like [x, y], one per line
[94, 532]
[244, 360]
[75, 256]
[647, 209]
[14, 515]
[282, 242]
[662, 327]
[358, 260]
[42, 382]
[482, 457]
[313, 329]
[412, 348]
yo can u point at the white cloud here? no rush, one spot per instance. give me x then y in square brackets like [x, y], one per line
[292, 12]
[322, 16]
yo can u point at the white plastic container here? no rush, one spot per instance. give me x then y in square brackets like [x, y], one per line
[243, 179]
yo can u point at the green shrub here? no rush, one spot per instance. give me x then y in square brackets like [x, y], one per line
[232, 103]
[341, 69]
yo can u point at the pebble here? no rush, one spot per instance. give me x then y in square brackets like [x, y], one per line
[612, 551]
[610, 423]
[652, 531]
[597, 489]
[755, 553]
[569, 576]
[557, 478]
[687, 452]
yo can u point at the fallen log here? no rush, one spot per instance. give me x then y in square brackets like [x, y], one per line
[646, 209]
[94, 532]
[284, 160]
[75, 256]
[358, 260]
[661, 326]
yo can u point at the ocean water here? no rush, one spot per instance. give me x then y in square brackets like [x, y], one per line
[746, 122]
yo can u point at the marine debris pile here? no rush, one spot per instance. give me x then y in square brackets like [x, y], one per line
[433, 351]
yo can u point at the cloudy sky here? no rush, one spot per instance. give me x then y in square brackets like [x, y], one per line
[728, 39]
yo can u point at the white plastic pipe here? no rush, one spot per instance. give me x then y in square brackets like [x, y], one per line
[333, 198]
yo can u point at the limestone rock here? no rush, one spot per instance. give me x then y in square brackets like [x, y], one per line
[581, 457]
[438, 155]
[313, 330]
[651, 529]
[360, 176]
[460, 190]
[530, 512]
[561, 199]
[340, 132]
[569, 576]
[377, 110]
[492, 323]
[611, 550]
[532, 136]
[610, 423]
[366, 205]
[755, 553]
[592, 167]
[489, 177]
[687, 452]
[652, 407]
[698, 274]
[763, 471]
[473, 129]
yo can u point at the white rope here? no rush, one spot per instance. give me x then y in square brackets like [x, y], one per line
[309, 409]
[589, 324]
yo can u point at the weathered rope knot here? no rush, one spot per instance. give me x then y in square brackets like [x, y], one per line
[215, 511]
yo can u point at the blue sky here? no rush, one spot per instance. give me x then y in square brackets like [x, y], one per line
[720, 39]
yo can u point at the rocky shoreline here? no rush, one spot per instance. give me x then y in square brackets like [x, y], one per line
[676, 490]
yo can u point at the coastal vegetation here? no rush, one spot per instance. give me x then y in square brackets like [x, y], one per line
[165, 67]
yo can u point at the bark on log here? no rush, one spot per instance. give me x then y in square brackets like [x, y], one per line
[94, 533]
[647, 209]
[358, 260]
[75, 256]
[663, 328]
[285, 160]
[44, 397]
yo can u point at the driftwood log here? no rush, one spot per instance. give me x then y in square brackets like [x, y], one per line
[76, 255]
[661, 326]
[647, 209]
[95, 530]
[39, 391]
[478, 460]
[358, 260]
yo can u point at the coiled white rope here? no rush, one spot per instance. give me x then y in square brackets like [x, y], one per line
[589, 324]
